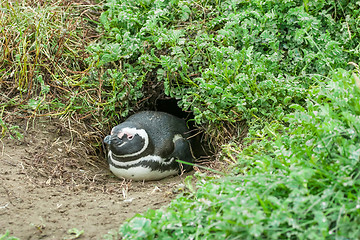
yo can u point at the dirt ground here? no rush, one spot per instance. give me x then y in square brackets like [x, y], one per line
[49, 185]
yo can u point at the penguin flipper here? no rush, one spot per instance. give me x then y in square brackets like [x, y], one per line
[183, 152]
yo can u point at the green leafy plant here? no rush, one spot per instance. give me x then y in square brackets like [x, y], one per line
[230, 60]
[73, 233]
[302, 183]
[277, 64]
[7, 236]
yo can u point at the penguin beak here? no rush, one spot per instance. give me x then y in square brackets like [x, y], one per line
[107, 140]
[113, 140]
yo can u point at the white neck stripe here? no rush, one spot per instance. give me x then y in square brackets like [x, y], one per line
[148, 158]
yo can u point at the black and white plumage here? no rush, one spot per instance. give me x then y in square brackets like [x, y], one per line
[147, 145]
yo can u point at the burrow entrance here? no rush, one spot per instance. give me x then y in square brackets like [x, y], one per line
[155, 100]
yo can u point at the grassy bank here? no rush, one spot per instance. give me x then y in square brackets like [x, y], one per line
[282, 66]
[288, 68]
[43, 51]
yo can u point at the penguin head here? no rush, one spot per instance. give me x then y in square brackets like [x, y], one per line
[126, 142]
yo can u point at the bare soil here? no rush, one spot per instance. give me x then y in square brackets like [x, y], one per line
[49, 184]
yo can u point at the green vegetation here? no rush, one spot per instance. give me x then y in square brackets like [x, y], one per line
[282, 66]
[42, 59]
[301, 184]
[73, 233]
[289, 68]
[225, 60]
[7, 236]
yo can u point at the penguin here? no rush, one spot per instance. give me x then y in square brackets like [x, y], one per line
[146, 146]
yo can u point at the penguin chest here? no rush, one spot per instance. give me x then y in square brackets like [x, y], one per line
[145, 168]
[140, 173]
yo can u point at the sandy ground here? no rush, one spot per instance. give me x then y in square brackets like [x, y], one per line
[49, 186]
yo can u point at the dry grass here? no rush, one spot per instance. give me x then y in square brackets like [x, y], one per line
[43, 51]
[42, 66]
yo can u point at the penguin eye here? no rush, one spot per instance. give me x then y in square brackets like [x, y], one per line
[130, 137]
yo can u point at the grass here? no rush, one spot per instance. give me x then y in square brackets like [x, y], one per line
[43, 66]
[287, 68]
[7, 236]
[43, 56]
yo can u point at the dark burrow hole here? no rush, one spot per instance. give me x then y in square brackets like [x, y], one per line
[170, 105]
[162, 103]
[156, 100]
